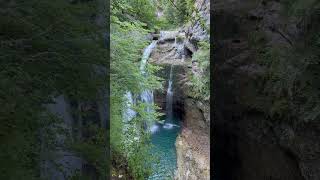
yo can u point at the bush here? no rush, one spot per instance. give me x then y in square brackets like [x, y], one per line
[200, 82]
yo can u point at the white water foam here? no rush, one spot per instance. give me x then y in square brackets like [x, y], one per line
[169, 126]
[154, 128]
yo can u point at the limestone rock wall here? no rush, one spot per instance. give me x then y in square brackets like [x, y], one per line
[249, 144]
[193, 143]
[198, 31]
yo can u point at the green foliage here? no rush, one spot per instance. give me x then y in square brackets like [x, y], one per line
[292, 82]
[181, 11]
[300, 7]
[130, 144]
[200, 82]
[135, 10]
[176, 13]
[292, 79]
[94, 149]
[136, 146]
[47, 48]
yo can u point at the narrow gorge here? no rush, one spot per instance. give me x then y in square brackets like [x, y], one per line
[183, 135]
[175, 53]
[181, 138]
[84, 95]
[141, 89]
[175, 118]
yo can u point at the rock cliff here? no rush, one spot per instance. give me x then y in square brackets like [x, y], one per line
[256, 135]
[193, 143]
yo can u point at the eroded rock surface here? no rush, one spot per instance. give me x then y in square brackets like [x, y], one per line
[193, 144]
[176, 48]
[249, 144]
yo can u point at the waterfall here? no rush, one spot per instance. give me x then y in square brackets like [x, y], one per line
[169, 111]
[147, 95]
[129, 113]
[146, 55]
[169, 97]
[163, 141]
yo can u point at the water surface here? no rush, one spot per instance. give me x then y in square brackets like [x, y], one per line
[163, 141]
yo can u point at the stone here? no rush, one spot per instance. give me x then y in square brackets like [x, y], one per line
[259, 146]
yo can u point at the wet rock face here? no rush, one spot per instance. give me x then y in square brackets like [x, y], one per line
[249, 145]
[193, 143]
[169, 52]
[178, 91]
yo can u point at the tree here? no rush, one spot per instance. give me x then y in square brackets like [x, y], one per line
[47, 48]
[128, 39]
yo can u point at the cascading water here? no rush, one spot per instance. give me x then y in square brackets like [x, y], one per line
[164, 139]
[146, 55]
[169, 111]
[147, 95]
[169, 96]
[163, 136]
[129, 112]
[128, 115]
